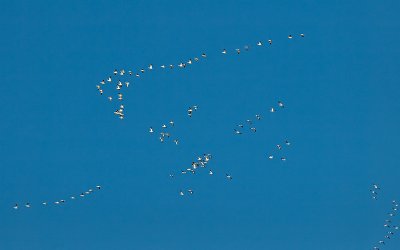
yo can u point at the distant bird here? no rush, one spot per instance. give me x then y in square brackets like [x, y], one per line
[204, 55]
[302, 35]
[115, 71]
[181, 193]
[15, 206]
[171, 123]
[237, 132]
[270, 41]
[259, 43]
[171, 175]
[190, 111]
[127, 84]
[381, 242]
[258, 117]
[110, 98]
[150, 67]
[280, 104]
[283, 159]
[28, 205]
[98, 187]
[271, 157]
[253, 129]
[290, 36]
[44, 203]
[279, 147]
[163, 66]
[190, 191]
[224, 51]
[109, 79]
[210, 172]
[237, 51]
[151, 130]
[176, 141]
[272, 110]
[163, 126]
[228, 176]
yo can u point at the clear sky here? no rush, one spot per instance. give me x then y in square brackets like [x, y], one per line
[340, 85]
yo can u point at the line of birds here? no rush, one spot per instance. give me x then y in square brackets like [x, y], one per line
[58, 202]
[391, 229]
[120, 85]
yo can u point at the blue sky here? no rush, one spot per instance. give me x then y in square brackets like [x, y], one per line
[339, 85]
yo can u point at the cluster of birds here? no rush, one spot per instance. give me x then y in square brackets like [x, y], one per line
[279, 148]
[58, 202]
[388, 225]
[200, 163]
[119, 85]
[249, 123]
[164, 134]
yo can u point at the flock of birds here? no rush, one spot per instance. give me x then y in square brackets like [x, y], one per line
[388, 224]
[58, 202]
[119, 81]
[118, 85]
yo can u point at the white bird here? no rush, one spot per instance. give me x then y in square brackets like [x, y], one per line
[181, 193]
[190, 111]
[204, 55]
[271, 157]
[283, 159]
[109, 79]
[119, 96]
[302, 35]
[56, 202]
[381, 242]
[259, 43]
[287, 143]
[272, 110]
[270, 41]
[247, 47]
[280, 104]
[137, 75]
[103, 82]
[224, 51]
[151, 130]
[150, 67]
[258, 117]
[130, 72]
[161, 139]
[253, 129]
[110, 98]
[122, 72]
[28, 205]
[189, 61]
[44, 203]
[171, 66]
[279, 146]
[228, 176]
[171, 175]
[210, 172]
[237, 132]
[72, 197]
[164, 126]
[142, 70]
[290, 36]
[196, 59]
[240, 125]
[163, 66]
[115, 71]
[127, 84]
[190, 191]
[82, 195]
[171, 122]
[237, 51]
[101, 91]
[183, 172]
[98, 87]
[98, 187]
[15, 206]
[176, 142]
